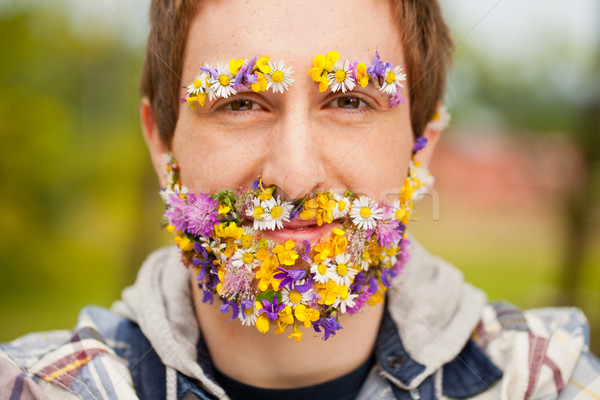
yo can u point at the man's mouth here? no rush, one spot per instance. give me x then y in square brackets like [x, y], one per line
[299, 231]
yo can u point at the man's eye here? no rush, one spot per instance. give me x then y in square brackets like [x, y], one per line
[242, 105]
[350, 103]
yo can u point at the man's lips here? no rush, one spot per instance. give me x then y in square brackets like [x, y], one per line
[299, 231]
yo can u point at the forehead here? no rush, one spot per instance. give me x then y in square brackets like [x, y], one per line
[294, 31]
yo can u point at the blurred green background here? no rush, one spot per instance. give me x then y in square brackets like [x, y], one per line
[518, 182]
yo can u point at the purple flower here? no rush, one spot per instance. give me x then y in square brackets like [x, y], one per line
[296, 210]
[256, 184]
[330, 325]
[420, 143]
[377, 69]
[175, 212]
[246, 305]
[234, 308]
[305, 253]
[389, 232]
[202, 264]
[201, 214]
[211, 71]
[271, 309]
[373, 285]
[289, 277]
[396, 98]
[386, 276]
[305, 286]
[359, 302]
[245, 75]
[207, 297]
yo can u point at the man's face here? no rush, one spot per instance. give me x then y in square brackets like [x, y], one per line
[301, 140]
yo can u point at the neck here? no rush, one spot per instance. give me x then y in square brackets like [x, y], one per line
[274, 361]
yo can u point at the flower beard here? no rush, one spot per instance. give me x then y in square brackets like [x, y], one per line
[268, 284]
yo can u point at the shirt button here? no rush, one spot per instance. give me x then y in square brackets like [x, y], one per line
[395, 361]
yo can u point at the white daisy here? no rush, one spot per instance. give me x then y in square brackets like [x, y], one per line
[322, 272]
[247, 240]
[440, 120]
[215, 247]
[280, 77]
[363, 262]
[423, 180]
[393, 80]
[276, 212]
[341, 77]
[259, 214]
[223, 85]
[245, 258]
[249, 316]
[198, 85]
[343, 274]
[390, 255]
[365, 213]
[348, 302]
[342, 206]
[293, 297]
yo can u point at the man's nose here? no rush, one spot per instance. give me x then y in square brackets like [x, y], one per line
[295, 160]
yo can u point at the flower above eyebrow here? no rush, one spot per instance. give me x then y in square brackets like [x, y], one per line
[321, 67]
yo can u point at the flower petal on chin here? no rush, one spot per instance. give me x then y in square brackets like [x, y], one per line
[262, 323]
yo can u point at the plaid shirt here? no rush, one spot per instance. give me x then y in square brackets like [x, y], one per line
[538, 354]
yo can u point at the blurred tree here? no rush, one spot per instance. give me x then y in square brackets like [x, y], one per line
[72, 159]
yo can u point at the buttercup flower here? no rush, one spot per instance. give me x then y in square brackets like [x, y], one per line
[321, 67]
[365, 213]
[280, 77]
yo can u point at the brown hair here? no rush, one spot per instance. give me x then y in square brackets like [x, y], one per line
[421, 25]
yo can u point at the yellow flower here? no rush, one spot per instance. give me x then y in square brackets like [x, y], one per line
[223, 208]
[338, 241]
[183, 242]
[286, 253]
[306, 315]
[200, 98]
[266, 193]
[322, 251]
[320, 208]
[268, 268]
[235, 65]
[297, 335]
[262, 323]
[362, 78]
[262, 64]
[261, 84]
[321, 67]
[330, 292]
[229, 231]
[286, 316]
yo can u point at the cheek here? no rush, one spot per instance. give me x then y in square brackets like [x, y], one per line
[378, 164]
[210, 161]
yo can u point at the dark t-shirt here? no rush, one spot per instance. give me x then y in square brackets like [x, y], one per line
[343, 388]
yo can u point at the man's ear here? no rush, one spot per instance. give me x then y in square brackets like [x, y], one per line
[433, 135]
[155, 144]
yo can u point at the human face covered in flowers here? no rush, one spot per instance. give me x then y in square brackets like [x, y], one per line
[304, 141]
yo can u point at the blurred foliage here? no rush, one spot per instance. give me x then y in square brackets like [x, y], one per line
[76, 177]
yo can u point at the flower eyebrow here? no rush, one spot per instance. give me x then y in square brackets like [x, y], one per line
[257, 74]
[331, 73]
